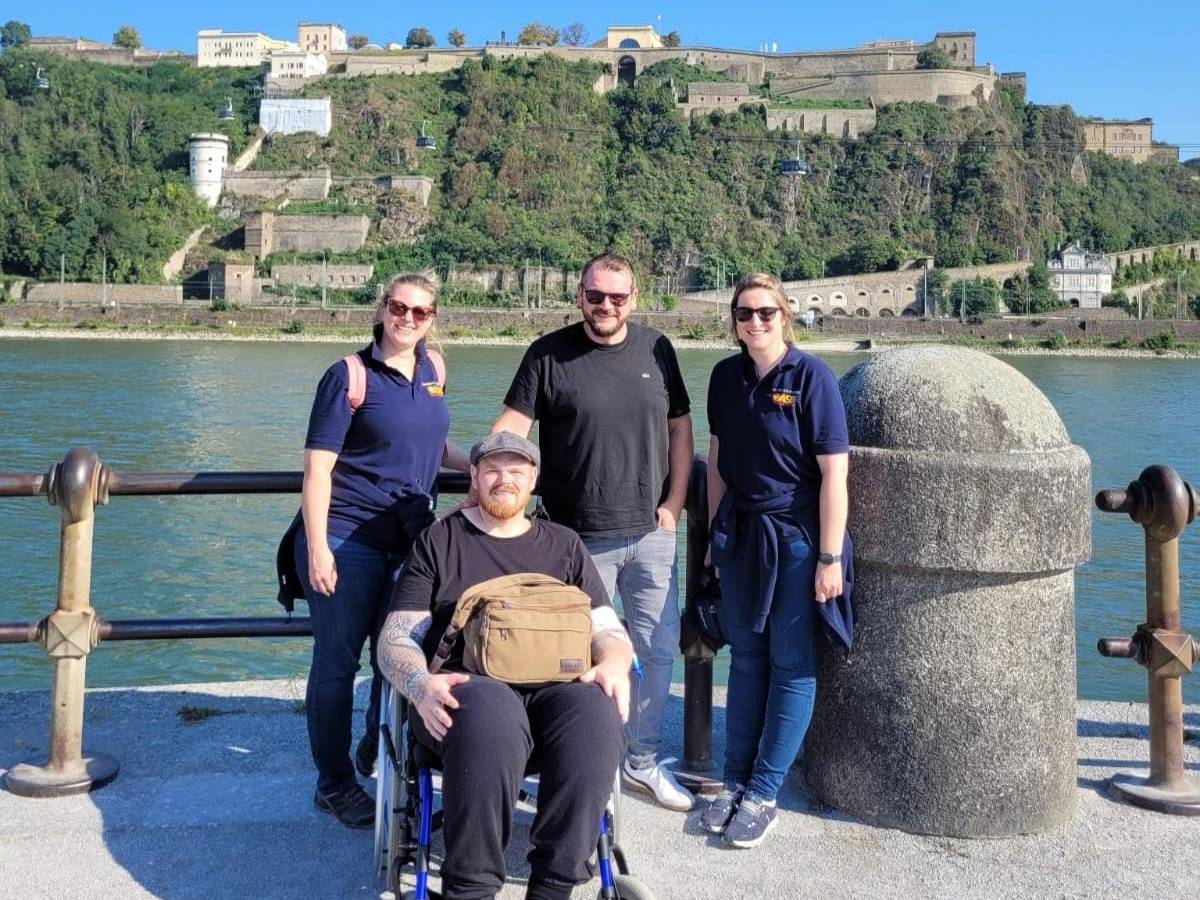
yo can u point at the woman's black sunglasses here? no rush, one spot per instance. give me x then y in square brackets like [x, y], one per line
[746, 313]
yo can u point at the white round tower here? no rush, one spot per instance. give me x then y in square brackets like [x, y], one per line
[208, 155]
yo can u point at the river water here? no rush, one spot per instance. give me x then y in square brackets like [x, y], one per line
[179, 406]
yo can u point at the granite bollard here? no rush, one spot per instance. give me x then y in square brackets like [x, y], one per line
[970, 508]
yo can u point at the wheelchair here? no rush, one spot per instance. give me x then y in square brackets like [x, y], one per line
[405, 818]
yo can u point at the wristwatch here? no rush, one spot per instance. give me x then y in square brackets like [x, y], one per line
[829, 558]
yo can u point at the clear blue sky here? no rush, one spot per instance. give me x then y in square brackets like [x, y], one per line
[1116, 60]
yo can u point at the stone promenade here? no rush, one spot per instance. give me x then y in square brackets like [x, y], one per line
[214, 800]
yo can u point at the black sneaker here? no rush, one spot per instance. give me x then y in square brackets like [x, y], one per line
[352, 806]
[364, 756]
[751, 824]
[722, 809]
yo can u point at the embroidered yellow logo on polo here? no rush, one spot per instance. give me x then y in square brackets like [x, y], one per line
[783, 398]
[435, 389]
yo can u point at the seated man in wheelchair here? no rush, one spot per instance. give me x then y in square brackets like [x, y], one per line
[488, 732]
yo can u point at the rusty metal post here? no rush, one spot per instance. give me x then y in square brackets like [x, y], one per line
[698, 655]
[1164, 505]
[68, 635]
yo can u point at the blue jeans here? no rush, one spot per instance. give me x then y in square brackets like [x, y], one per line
[642, 571]
[342, 622]
[772, 676]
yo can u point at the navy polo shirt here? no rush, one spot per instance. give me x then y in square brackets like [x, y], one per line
[771, 430]
[389, 450]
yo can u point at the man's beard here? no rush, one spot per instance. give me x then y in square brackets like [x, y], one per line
[504, 504]
[605, 327]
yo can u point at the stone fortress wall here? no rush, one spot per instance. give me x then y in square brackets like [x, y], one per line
[901, 293]
[839, 123]
[1189, 250]
[834, 74]
[420, 186]
[953, 88]
[268, 233]
[110, 54]
[294, 185]
[89, 292]
[335, 277]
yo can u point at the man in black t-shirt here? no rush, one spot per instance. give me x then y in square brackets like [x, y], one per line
[486, 731]
[616, 438]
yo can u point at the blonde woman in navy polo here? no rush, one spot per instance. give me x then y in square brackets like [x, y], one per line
[371, 460]
[777, 483]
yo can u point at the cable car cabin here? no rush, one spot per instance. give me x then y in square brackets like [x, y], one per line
[427, 142]
[227, 111]
[793, 167]
[40, 81]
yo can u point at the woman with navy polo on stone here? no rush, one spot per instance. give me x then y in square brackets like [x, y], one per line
[376, 439]
[777, 483]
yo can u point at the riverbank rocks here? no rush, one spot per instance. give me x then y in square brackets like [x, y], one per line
[970, 508]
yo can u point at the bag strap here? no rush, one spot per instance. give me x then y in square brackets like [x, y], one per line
[469, 601]
[439, 365]
[356, 385]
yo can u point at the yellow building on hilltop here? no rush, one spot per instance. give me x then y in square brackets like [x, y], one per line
[322, 38]
[1129, 139]
[215, 47]
[631, 37]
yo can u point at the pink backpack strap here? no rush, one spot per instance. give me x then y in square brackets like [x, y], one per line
[439, 366]
[356, 385]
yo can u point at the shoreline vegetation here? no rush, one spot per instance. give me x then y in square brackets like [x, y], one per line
[489, 338]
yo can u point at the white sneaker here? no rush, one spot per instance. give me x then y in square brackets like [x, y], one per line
[660, 783]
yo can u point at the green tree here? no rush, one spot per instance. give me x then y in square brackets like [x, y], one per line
[536, 33]
[575, 34]
[419, 38]
[981, 295]
[872, 254]
[358, 41]
[128, 37]
[671, 39]
[1030, 291]
[14, 34]
[934, 58]
[937, 285]
[456, 38]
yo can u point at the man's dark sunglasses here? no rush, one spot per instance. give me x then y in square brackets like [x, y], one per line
[596, 298]
[419, 313]
[746, 313]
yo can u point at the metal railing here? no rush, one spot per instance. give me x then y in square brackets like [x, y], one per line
[1164, 505]
[74, 629]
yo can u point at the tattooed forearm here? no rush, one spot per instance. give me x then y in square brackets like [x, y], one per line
[608, 634]
[400, 656]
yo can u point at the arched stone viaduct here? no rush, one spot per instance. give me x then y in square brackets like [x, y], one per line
[1189, 250]
[901, 293]
[873, 294]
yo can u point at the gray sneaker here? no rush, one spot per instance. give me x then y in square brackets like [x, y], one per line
[754, 819]
[722, 808]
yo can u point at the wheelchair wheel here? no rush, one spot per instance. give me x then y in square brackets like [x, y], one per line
[629, 888]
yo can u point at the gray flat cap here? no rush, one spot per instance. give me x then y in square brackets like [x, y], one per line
[506, 442]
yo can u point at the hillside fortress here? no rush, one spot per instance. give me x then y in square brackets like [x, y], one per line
[880, 71]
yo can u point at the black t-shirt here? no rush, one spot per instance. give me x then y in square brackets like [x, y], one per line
[453, 554]
[602, 412]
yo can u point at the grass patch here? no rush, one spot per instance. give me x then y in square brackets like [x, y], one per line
[1164, 340]
[812, 103]
[194, 715]
[1056, 341]
[293, 327]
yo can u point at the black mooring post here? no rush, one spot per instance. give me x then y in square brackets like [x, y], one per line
[698, 654]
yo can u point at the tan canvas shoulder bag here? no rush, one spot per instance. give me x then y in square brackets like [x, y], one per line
[523, 629]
